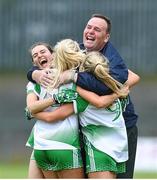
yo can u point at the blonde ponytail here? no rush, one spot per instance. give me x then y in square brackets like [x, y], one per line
[98, 64]
[67, 55]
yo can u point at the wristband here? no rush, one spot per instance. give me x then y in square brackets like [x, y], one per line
[55, 99]
[28, 114]
[75, 77]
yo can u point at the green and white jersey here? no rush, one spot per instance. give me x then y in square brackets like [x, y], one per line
[104, 128]
[61, 134]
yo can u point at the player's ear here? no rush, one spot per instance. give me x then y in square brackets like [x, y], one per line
[33, 62]
[107, 37]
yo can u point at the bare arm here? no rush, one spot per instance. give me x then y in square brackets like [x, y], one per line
[60, 113]
[34, 105]
[133, 79]
[96, 100]
[105, 101]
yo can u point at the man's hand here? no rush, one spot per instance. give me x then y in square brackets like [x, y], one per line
[124, 99]
[43, 77]
[124, 91]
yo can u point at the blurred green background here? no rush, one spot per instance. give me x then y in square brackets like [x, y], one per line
[19, 171]
[26, 22]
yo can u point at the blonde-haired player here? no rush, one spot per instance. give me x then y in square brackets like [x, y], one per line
[103, 120]
[57, 154]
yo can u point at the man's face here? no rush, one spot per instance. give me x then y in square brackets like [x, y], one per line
[95, 35]
[41, 56]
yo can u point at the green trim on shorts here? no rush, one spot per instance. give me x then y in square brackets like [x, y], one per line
[32, 156]
[99, 161]
[56, 160]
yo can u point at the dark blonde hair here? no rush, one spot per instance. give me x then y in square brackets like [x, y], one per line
[67, 55]
[98, 65]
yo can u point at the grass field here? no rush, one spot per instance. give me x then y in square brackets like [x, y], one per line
[13, 171]
[19, 171]
[145, 175]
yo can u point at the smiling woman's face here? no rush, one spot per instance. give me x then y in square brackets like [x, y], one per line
[41, 56]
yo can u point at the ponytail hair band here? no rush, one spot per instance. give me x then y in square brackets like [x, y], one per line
[96, 66]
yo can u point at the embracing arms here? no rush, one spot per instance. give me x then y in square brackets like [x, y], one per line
[36, 106]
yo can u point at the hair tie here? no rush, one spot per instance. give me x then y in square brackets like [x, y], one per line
[96, 66]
